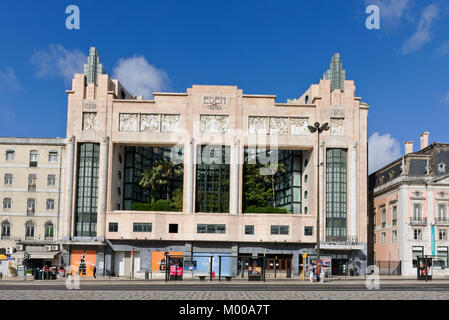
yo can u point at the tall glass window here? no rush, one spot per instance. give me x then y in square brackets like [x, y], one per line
[258, 188]
[212, 179]
[139, 159]
[87, 190]
[336, 194]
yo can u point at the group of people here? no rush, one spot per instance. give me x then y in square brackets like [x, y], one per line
[317, 270]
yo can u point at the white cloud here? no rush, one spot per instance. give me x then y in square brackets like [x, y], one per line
[9, 81]
[140, 77]
[8, 84]
[382, 149]
[443, 49]
[56, 61]
[445, 99]
[422, 34]
[391, 11]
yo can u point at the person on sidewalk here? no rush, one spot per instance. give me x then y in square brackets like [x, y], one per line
[318, 272]
[95, 272]
[311, 273]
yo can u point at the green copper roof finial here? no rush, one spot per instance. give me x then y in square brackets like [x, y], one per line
[93, 67]
[336, 74]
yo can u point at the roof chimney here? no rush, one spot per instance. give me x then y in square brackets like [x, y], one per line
[408, 146]
[424, 137]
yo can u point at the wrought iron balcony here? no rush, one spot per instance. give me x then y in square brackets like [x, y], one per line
[442, 221]
[341, 240]
[418, 221]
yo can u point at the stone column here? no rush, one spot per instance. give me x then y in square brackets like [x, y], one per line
[353, 202]
[67, 219]
[102, 186]
[234, 181]
[189, 172]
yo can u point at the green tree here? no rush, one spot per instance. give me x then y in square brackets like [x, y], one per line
[167, 170]
[271, 172]
[150, 179]
[254, 187]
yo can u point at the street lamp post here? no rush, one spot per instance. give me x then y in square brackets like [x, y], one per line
[317, 128]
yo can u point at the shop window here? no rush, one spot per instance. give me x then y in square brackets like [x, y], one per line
[416, 252]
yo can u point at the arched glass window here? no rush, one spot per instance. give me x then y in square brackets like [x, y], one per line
[49, 230]
[29, 230]
[6, 229]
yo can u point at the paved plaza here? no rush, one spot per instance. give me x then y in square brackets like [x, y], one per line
[342, 289]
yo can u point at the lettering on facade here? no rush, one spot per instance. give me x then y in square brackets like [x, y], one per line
[214, 103]
[89, 105]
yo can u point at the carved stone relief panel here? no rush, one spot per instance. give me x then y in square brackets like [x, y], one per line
[337, 127]
[279, 126]
[170, 122]
[257, 125]
[214, 123]
[298, 126]
[149, 123]
[89, 121]
[128, 122]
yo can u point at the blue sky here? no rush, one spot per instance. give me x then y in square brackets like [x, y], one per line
[263, 47]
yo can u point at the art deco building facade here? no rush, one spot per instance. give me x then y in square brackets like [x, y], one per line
[219, 136]
[204, 173]
[409, 210]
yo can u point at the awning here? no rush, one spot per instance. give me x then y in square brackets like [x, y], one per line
[43, 255]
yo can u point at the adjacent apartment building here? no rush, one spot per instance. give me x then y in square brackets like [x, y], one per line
[409, 210]
[32, 180]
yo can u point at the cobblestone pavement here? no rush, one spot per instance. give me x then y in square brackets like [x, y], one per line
[220, 295]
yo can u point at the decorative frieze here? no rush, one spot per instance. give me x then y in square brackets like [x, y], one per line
[149, 122]
[128, 122]
[279, 126]
[337, 127]
[170, 122]
[298, 126]
[214, 123]
[258, 125]
[89, 121]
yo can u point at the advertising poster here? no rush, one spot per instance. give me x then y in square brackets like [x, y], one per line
[255, 267]
[158, 262]
[83, 262]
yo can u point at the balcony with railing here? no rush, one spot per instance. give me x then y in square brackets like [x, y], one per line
[418, 221]
[341, 242]
[441, 221]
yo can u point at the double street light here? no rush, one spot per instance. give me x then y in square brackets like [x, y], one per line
[318, 128]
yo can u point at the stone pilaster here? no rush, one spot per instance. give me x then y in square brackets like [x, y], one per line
[234, 181]
[67, 219]
[189, 171]
[102, 186]
[353, 202]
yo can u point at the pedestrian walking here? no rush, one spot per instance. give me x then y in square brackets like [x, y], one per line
[311, 273]
[95, 272]
[318, 271]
